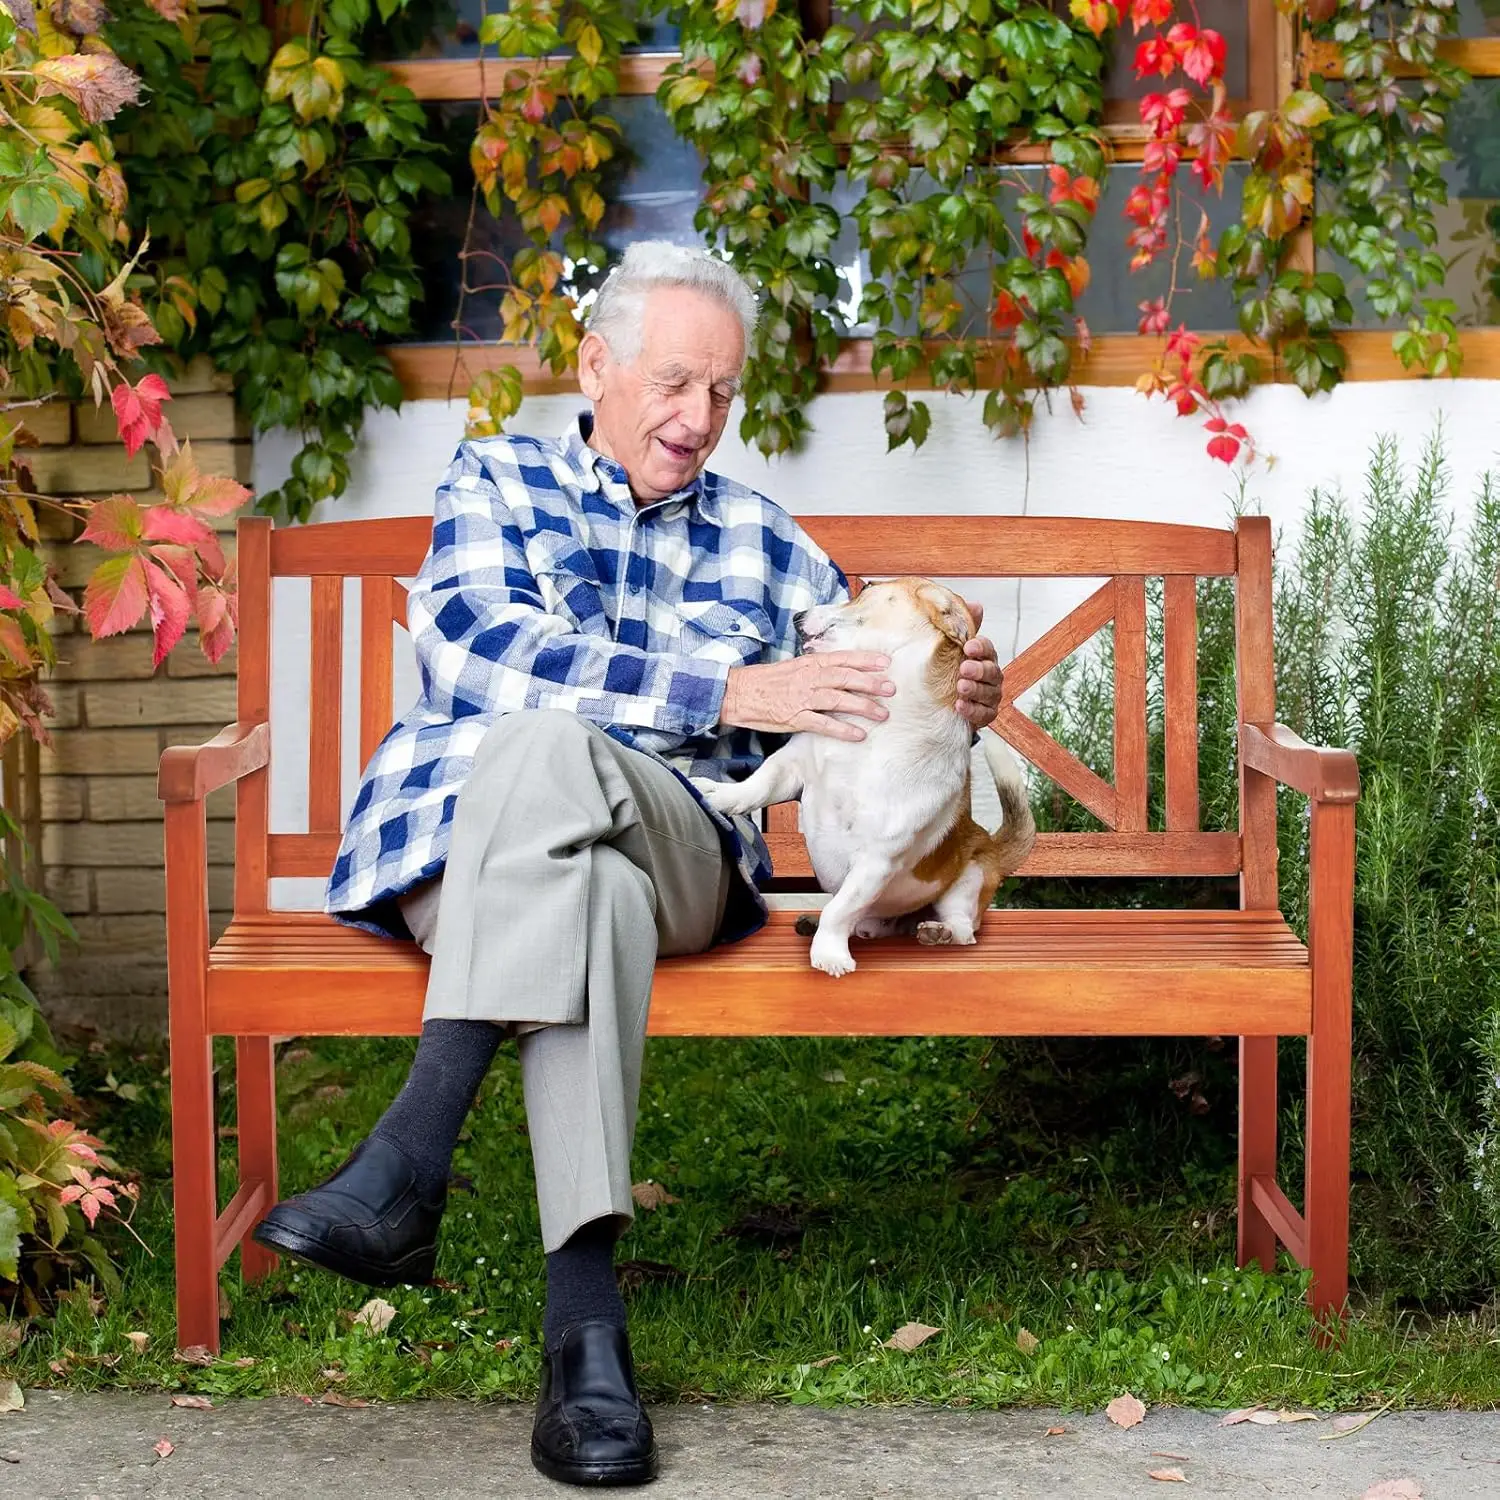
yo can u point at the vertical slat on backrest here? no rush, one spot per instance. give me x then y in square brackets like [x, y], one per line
[1255, 692]
[253, 706]
[377, 607]
[327, 704]
[1180, 694]
[1130, 704]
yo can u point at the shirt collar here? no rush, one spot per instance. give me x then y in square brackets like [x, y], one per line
[594, 468]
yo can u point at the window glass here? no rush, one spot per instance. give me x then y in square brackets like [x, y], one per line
[1468, 224]
[1111, 302]
[652, 189]
[455, 32]
[1478, 18]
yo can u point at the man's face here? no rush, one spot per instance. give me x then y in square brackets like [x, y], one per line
[663, 414]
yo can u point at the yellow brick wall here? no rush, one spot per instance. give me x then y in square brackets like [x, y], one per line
[102, 833]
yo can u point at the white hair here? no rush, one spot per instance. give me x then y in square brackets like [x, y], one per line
[619, 312]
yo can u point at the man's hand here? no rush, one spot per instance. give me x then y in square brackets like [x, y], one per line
[804, 693]
[979, 678]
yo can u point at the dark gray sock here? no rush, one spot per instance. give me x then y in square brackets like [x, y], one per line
[424, 1121]
[581, 1284]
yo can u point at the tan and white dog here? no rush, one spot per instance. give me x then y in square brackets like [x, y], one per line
[887, 818]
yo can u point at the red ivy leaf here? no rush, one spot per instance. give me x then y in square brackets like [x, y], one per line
[217, 621]
[13, 645]
[114, 524]
[9, 599]
[1202, 53]
[164, 524]
[138, 409]
[170, 608]
[1154, 55]
[116, 595]
[1224, 448]
[1145, 13]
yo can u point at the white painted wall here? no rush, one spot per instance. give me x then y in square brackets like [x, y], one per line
[1126, 458]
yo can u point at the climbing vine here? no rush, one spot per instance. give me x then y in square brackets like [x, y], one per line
[954, 146]
[278, 185]
[540, 150]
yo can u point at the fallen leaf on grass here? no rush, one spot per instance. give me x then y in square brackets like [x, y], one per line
[1394, 1489]
[11, 1398]
[827, 1359]
[243, 1362]
[1125, 1411]
[10, 1336]
[909, 1336]
[194, 1354]
[1027, 1342]
[444, 1285]
[333, 1398]
[375, 1315]
[164, 1449]
[193, 1403]
[651, 1195]
[138, 1340]
[1168, 1476]
[334, 1375]
[1244, 1414]
[59, 1367]
[632, 1275]
[1056, 1431]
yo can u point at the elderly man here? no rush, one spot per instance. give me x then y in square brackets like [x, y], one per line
[597, 618]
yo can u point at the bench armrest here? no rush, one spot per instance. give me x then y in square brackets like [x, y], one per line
[1321, 773]
[188, 773]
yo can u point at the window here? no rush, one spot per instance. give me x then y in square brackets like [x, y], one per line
[655, 186]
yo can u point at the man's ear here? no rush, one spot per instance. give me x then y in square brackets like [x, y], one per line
[949, 613]
[593, 356]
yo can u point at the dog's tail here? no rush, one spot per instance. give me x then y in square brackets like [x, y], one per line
[1015, 836]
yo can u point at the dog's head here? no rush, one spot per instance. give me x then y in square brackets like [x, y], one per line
[890, 616]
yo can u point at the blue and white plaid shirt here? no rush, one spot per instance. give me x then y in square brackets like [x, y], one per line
[547, 586]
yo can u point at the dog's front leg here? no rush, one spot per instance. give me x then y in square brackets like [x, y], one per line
[778, 779]
[867, 878]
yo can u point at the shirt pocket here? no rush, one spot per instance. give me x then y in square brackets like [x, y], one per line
[736, 634]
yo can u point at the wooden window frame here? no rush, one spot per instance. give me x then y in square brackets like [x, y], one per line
[1278, 65]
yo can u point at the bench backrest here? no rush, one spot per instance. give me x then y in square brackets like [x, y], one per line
[1125, 553]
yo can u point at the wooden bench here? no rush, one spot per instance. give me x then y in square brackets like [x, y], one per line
[1084, 973]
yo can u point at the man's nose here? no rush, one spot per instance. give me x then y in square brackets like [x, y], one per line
[696, 410]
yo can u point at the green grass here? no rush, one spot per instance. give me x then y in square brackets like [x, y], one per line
[982, 1190]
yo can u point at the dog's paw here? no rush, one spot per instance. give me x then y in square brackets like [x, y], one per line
[935, 934]
[722, 796]
[832, 957]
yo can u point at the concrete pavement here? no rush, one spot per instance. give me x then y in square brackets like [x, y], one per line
[72, 1447]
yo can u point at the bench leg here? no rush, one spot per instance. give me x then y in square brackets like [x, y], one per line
[1330, 937]
[1256, 1237]
[255, 1090]
[194, 1138]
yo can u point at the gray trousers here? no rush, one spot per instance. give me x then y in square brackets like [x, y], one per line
[574, 863]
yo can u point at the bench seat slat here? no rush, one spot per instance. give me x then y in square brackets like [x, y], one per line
[1032, 973]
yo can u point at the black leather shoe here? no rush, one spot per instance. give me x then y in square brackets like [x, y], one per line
[590, 1425]
[367, 1222]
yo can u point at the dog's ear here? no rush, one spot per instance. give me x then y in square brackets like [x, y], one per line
[948, 612]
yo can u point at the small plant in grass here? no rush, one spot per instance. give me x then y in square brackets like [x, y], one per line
[55, 1179]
